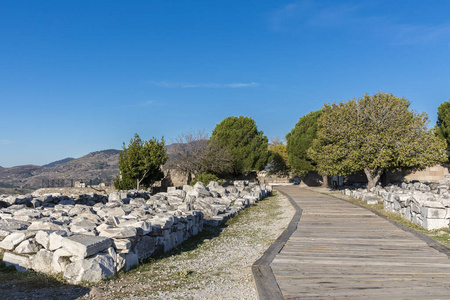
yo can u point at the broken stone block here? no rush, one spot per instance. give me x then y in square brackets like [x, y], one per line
[431, 224]
[15, 238]
[83, 226]
[28, 246]
[43, 238]
[56, 240]
[45, 225]
[126, 261]
[115, 196]
[206, 208]
[111, 252]
[142, 227]
[42, 261]
[145, 247]
[122, 244]
[119, 232]
[81, 245]
[433, 204]
[433, 213]
[102, 227]
[92, 269]
[21, 263]
[137, 201]
[60, 260]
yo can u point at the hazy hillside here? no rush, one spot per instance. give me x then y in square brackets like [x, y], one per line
[58, 162]
[97, 166]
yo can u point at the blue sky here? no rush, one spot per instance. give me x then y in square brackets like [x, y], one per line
[82, 76]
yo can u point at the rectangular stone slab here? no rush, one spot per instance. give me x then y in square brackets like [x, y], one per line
[86, 245]
[22, 263]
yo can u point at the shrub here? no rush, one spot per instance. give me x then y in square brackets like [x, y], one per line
[206, 178]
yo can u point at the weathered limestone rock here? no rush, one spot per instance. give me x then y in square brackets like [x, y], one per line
[20, 262]
[15, 238]
[115, 234]
[207, 208]
[126, 261]
[42, 261]
[115, 196]
[56, 240]
[119, 232]
[423, 204]
[431, 224]
[28, 246]
[84, 227]
[45, 225]
[92, 269]
[85, 245]
[122, 245]
[142, 227]
[434, 213]
[60, 260]
[145, 247]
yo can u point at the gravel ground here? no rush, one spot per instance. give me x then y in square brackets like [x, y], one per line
[216, 264]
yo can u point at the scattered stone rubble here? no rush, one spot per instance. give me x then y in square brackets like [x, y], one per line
[89, 237]
[426, 204]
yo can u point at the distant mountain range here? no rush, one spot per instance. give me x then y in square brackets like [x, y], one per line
[100, 166]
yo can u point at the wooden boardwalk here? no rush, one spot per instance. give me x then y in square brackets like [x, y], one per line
[340, 250]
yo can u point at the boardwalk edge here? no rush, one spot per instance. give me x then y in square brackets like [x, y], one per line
[266, 284]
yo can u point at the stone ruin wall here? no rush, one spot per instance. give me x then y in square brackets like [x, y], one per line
[430, 174]
[89, 237]
[426, 204]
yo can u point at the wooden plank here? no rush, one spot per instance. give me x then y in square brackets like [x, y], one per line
[341, 250]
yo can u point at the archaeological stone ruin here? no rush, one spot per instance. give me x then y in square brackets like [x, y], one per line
[423, 203]
[89, 237]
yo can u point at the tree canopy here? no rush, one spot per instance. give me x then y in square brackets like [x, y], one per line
[248, 146]
[299, 140]
[374, 134]
[443, 123]
[140, 163]
[279, 163]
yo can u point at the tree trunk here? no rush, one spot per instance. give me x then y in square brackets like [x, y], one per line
[372, 177]
[325, 181]
[138, 181]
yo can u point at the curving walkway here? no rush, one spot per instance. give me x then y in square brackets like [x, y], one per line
[340, 250]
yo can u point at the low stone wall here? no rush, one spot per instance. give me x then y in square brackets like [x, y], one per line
[426, 204]
[90, 237]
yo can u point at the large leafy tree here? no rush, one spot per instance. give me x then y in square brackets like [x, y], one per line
[248, 146]
[443, 123]
[140, 163]
[299, 140]
[374, 134]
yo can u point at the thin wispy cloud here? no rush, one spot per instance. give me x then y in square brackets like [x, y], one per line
[140, 104]
[146, 103]
[5, 142]
[408, 34]
[300, 16]
[169, 84]
[289, 16]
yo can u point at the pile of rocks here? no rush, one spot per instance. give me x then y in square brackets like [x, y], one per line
[426, 204]
[91, 237]
[50, 200]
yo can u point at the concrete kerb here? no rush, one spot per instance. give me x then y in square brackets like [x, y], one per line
[266, 285]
